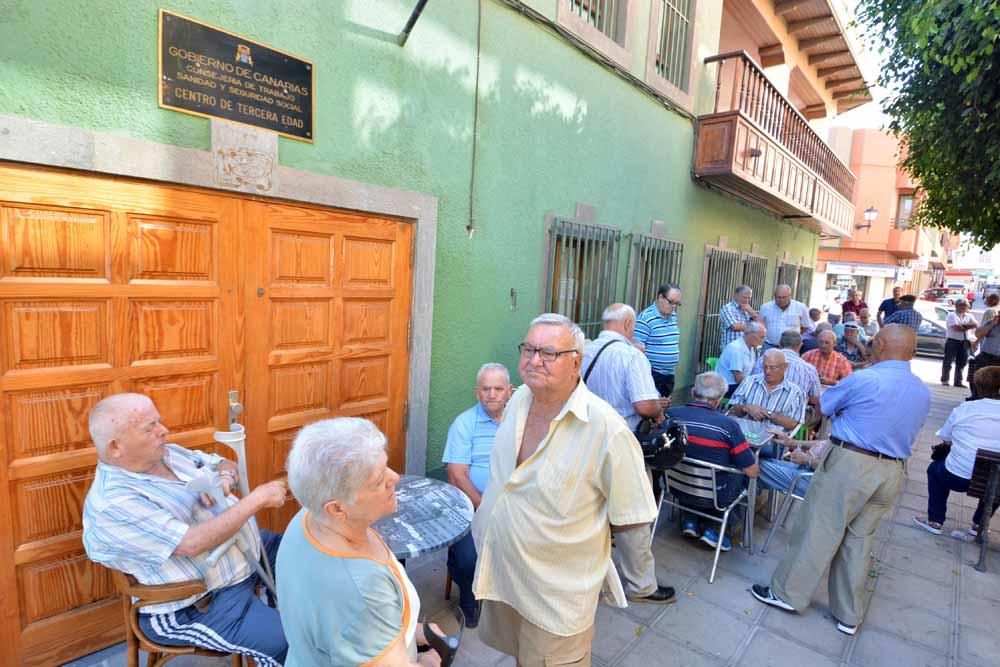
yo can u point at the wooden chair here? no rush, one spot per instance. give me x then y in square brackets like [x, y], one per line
[147, 595]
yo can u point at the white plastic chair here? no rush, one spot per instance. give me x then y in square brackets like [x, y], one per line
[698, 479]
[786, 505]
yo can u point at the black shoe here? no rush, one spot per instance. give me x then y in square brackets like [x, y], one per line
[765, 595]
[847, 629]
[662, 595]
[471, 616]
[960, 385]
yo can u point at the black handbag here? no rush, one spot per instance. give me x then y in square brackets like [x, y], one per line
[940, 451]
[664, 444]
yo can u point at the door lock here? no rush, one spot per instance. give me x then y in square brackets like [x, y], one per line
[235, 407]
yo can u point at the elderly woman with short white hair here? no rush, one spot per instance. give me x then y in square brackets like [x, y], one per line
[344, 598]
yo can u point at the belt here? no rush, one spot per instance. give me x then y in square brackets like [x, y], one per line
[861, 450]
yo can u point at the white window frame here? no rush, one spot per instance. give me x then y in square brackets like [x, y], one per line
[619, 53]
[684, 98]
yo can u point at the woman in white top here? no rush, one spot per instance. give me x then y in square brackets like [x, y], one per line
[970, 426]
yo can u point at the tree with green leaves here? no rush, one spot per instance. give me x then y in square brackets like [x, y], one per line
[941, 68]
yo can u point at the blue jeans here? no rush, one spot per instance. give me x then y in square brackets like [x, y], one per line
[940, 483]
[777, 475]
[462, 568]
[233, 621]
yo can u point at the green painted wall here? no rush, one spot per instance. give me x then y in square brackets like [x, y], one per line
[554, 128]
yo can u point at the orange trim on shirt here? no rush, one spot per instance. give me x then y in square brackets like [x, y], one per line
[388, 562]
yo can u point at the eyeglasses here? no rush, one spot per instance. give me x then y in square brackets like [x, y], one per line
[547, 355]
[675, 304]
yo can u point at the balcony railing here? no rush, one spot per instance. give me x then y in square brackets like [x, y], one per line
[742, 86]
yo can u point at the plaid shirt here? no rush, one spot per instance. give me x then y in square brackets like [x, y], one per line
[786, 399]
[731, 314]
[832, 369]
[798, 372]
[907, 316]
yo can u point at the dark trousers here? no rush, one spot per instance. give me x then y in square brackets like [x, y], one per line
[462, 568]
[732, 390]
[981, 360]
[954, 351]
[940, 483]
[233, 620]
[664, 383]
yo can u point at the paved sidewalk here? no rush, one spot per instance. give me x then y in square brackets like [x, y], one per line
[928, 606]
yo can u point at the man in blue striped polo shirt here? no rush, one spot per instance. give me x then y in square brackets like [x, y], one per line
[657, 334]
[140, 518]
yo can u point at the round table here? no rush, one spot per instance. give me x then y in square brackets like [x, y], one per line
[431, 515]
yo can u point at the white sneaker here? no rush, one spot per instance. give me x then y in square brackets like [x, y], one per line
[847, 629]
[928, 525]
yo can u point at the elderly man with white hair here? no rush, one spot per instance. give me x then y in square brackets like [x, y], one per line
[140, 518]
[782, 313]
[467, 456]
[770, 396]
[566, 471]
[345, 599]
[735, 317]
[739, 357]
[619, 373]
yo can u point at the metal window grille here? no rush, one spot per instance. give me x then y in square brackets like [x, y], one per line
[583, 272]
[755, 275]
[723, 274]
[608, 16]
[787, 274]
[803, 291]
[653, 262]
[673, 42]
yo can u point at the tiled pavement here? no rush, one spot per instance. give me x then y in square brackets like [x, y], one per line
[928, 606]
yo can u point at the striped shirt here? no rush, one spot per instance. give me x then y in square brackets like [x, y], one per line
[621, 376]
[662, 338]
[786, 399]
[715, 438]
[731, 314]
[795, 316]
[803, 375]
[831, 369]
[133, 522]
[907, 316]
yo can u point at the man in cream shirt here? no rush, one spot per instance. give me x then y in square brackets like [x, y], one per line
[565, 467]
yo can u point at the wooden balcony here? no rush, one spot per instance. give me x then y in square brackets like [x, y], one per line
[758, 147]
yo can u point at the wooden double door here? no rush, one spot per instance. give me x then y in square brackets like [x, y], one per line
[111, 285]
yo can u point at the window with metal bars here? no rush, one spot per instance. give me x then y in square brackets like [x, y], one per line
[653, 261]
[725, 270]
[673, 41]
[803, 291]
[582, 272]
[608, 16]
[787, 274]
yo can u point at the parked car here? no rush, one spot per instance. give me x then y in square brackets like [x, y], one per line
[930, 339]
[933, 311]
[991, 288]
[933, 294]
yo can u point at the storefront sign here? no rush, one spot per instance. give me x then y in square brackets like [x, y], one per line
[873, 270]
[904, 274]
[209, 72]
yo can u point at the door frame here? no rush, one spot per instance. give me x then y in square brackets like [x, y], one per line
[29, 141]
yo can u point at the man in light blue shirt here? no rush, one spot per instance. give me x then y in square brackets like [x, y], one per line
[877, 413]
[739, 357]
[467, 455]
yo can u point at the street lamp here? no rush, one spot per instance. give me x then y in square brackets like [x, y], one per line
[871, 215]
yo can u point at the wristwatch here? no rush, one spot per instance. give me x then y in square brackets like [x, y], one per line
[231, 474]
[768, 413]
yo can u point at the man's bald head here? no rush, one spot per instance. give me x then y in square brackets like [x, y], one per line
[109, 417]
[895, 342]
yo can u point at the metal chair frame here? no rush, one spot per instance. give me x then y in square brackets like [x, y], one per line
[146, 595]
[786, 505]
[666, 497]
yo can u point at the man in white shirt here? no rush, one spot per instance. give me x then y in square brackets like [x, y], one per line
[738, 357]
[619, 373]
[783, 313]
[958, 326]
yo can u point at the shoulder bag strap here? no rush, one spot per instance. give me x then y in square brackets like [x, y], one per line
[596, 357]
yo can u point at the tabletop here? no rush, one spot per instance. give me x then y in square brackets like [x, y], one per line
[757, 433]
[431, 515]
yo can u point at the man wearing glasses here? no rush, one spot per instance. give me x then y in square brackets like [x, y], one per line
[565, 469]
[657, 334]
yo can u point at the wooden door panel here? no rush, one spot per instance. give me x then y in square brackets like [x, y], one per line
[105, 286]
[334, 288]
